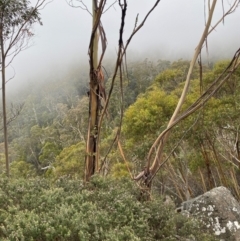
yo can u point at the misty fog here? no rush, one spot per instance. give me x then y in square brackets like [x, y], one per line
[172, 31]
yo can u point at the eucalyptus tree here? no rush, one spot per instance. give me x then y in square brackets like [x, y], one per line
[16, 20]
[95, 93]
[98, 101]
[155, 157]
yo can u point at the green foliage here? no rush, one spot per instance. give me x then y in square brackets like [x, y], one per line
[148, 113]
[146, 117]
[140, 75]
[103, 210]
[49, 152]
[170, 78]
[70, 162]
[15, 14]
[22, 169]
[120, 170]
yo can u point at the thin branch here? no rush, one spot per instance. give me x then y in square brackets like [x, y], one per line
[136, 21]
[15, 113]
[120, 55]
[110, 7]
[141, 25]
[223, 11]
[123, 156]
[231, 10]
[14, 73]
[14, 39]
[83, 7]
[104, 43]
[175, 147]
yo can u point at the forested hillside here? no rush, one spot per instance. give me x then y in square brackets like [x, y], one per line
[52, 124]
[48, 136]
[47, 141]
[109, 148]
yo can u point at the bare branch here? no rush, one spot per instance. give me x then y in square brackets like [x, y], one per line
[174, 148]
[141, 25]
[223, 11]
[136, 21]
[110, 7]
[120, 55]
[14, 73]
[234, 6]
[19, 33]
[83, 7]
[15, 111]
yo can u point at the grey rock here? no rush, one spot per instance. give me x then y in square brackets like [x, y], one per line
[218, 210]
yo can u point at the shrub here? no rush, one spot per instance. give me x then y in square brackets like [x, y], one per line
[104, 209]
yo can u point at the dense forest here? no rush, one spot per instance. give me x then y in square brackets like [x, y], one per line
[108, 151]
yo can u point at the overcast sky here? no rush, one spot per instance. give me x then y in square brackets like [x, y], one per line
[172, 31]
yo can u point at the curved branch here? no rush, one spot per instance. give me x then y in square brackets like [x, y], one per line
[183, 95]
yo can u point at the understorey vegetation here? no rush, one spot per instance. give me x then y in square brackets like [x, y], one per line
[104, 209]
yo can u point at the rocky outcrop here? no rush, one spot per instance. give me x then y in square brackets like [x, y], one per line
[218, 210]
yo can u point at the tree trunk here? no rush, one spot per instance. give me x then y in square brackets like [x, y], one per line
[4, 103]
[91, 163]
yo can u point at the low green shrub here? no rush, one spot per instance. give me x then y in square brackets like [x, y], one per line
[104, 209]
